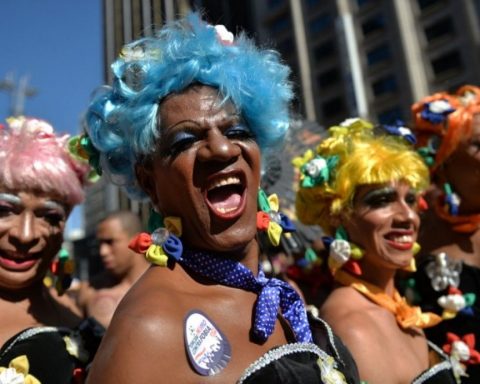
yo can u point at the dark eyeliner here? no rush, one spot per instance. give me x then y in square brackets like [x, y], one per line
[378, 196]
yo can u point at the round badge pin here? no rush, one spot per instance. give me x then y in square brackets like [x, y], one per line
[207, 347]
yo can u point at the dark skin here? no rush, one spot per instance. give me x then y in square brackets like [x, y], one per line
[145, 340]
[31, 232]
[462, 171]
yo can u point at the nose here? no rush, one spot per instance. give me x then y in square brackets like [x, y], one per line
[218, 147]
[24, 231]
[405, 213]
[104, 249]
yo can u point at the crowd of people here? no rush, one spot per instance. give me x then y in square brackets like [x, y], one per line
[185, 125]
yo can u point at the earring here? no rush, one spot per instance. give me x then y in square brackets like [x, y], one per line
[270, 220]
[62, 269]
[452, 200]
[163, 244]
[343, 254]
[412, 267]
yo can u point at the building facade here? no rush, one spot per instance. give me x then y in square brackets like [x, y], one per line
[369, 58]
[372, 58]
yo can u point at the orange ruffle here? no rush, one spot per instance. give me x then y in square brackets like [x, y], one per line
[406, 315]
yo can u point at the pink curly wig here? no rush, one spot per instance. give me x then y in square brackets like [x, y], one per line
[33, 158]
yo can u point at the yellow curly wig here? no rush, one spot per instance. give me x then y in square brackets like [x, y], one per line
[363, 158]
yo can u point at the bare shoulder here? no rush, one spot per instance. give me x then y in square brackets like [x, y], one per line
[85, 292]
[364, 328]
[147, 324]
[351, 316]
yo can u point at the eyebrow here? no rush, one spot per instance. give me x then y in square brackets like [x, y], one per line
[14, 199]
[378, 192]
[10, 198]
[180, 125]
[50, 204]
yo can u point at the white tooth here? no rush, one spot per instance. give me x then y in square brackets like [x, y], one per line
[403, 239]
[227, 181]
[225, 210]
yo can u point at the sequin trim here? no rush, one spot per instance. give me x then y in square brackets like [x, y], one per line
[444, 366]
[331, 339]
[27, 334]
[278, 353]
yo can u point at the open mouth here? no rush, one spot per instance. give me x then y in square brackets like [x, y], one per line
[400, 241]
[17, 264]
[225, 195]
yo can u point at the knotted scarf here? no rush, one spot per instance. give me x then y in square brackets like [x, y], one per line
[273, 294]
[406, 316]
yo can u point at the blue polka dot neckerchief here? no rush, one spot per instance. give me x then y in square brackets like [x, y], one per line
[272, 293]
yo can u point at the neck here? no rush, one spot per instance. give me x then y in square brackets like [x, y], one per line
[31, 293]
[135, 272]
[382, 278]
[248, 256]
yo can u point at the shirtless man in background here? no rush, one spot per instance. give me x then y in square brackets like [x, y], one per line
[100, 296]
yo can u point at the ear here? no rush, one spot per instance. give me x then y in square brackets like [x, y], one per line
[144, 175]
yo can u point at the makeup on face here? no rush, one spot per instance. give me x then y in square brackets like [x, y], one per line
[51, 210]
[182, 135]
[384, 223]
[206, 168]
[381, 197]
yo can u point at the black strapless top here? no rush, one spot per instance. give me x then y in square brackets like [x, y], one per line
[468, 281]
[440, 373]
[55, 355]
[326, 360]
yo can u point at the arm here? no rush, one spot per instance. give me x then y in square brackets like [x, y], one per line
[143, 344]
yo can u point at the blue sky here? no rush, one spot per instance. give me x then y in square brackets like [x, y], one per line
[58, 44]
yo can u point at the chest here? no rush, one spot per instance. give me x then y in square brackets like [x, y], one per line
[14, 321]
[232, 318]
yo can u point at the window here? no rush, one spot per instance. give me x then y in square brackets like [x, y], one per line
[447, 62]
[373, 25]
[274, 3]
[286, 47]
[312, 3]
[387, 84]
[391, 115]
[328, 78]
[326, 49]
[379, 54]
[424, 4]
[333, 107]
[280, 24]
[320, 23]
[444, 27]
[361, 3]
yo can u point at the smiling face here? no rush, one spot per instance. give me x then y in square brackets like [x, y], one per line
[31, 233]
[384, 223]
[462, 171]
[206, 170]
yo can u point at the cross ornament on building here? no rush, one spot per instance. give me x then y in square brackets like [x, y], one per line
[18, 92]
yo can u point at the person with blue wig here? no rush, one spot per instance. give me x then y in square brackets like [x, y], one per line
[184, 124]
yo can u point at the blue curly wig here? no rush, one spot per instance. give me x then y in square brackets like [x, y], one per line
[122, 120]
